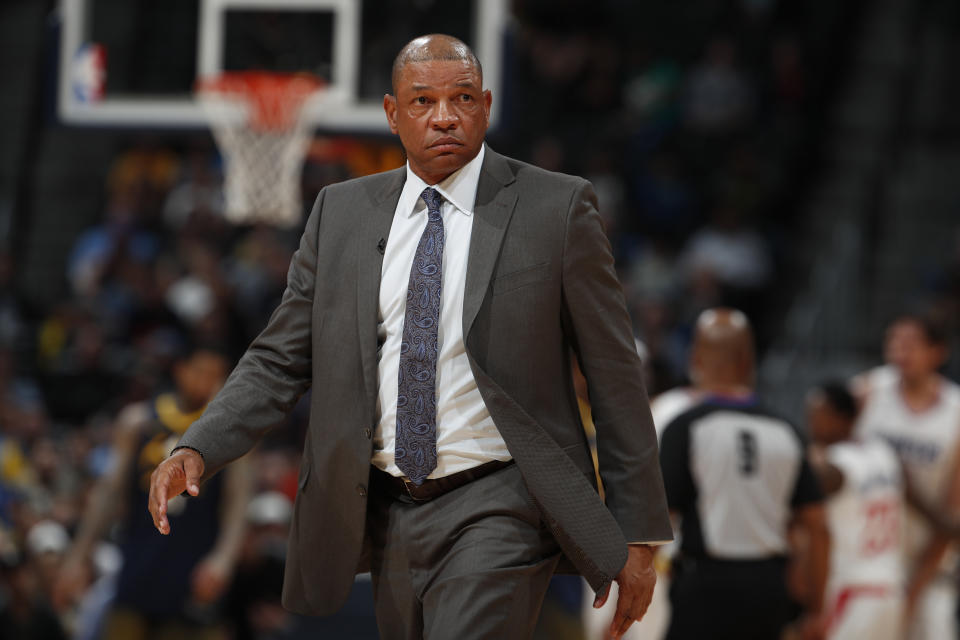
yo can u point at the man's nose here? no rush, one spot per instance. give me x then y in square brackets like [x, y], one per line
[445, 116]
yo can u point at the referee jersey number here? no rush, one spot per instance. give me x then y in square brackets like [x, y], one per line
[747, 452]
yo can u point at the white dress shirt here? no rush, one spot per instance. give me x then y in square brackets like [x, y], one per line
[466, 435]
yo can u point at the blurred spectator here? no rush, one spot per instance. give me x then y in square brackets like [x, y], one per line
[81, 370]
[666, 201]
[602, 172]
[742, 182]
[198, 193]
[277, 470]
[88, 622]
[24, 615]
[718, 96]
[146, 172]
[99, 252]
[200, 554]
[731, 253]
[256, 274]
[651, 95]
[726, 262]
[653, 273]
[253, 604]
[45, 544]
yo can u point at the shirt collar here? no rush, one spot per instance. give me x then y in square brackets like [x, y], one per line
[459, 188]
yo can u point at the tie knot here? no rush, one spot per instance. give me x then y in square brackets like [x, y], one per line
[433, 199]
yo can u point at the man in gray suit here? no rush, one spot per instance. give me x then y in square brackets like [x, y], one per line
[431, 310]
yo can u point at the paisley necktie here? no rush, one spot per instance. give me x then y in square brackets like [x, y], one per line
[416, 440]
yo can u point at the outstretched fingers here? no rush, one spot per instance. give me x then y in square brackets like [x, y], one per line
[178, 473]
[157, 502]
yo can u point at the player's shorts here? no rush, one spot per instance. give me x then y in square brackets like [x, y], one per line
[857, 612]
[935, 614]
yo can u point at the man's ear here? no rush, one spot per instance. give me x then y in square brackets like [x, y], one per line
[487, 103]
[390, 108]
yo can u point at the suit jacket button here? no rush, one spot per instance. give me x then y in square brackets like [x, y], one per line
[362, 491]
[368, 433]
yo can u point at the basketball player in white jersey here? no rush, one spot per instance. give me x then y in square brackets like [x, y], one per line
[917, 410]
[865, 513]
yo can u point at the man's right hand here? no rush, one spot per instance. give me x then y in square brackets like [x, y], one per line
[178, 473]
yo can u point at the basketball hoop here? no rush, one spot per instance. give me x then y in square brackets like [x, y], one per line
[258, 124]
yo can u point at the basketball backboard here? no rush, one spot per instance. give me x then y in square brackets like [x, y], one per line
[136, 63]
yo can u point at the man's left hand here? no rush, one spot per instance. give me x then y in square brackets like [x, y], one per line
[635, 581]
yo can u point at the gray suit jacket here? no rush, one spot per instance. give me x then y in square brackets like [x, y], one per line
[540, 280]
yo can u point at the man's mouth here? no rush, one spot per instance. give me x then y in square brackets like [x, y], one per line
[446, 144]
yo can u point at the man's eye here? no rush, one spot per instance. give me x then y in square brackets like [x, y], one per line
[465, 97]
[421, 100]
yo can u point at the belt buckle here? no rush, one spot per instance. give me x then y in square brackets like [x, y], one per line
[406, 487]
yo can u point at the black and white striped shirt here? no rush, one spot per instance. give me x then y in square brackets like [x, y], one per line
[735, 472]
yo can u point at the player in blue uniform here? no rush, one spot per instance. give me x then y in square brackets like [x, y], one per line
[168, 585]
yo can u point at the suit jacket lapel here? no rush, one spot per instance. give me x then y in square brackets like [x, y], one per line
[494, 207]
[374, 225]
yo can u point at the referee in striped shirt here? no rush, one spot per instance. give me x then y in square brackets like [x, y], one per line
[736, 474]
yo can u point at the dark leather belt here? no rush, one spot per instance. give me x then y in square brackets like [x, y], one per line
[401, 488]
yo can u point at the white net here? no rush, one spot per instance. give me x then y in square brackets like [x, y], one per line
[257, 121]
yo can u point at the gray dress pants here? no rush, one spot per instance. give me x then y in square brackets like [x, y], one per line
[473, 563]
